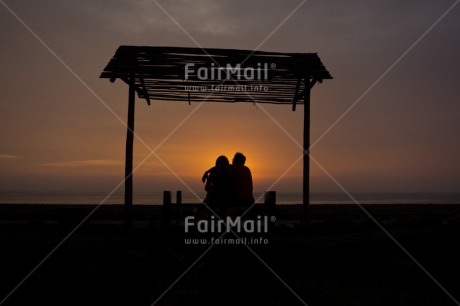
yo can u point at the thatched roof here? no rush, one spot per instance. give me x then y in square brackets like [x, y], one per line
[215, 75]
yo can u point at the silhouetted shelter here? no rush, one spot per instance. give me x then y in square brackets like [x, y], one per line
[215, 75]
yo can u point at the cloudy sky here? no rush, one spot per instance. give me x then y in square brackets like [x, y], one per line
[395, 62]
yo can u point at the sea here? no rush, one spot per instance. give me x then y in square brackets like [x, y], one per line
[283, 198]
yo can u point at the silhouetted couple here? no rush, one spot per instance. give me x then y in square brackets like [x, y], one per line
[229, 184]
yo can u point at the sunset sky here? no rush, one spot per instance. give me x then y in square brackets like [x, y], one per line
[402, 136]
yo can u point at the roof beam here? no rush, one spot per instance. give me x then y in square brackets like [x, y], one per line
[296, 93]
[308, 86]
[146, 93]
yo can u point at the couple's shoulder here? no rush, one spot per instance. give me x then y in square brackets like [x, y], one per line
[240, 167]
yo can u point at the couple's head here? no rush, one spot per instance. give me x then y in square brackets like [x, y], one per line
[222, 161]
[239, 158]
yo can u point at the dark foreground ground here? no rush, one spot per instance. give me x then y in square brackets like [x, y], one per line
[340, 258]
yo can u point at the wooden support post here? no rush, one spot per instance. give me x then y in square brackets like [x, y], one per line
[129, 153]
[167, 208]
[306, 149]
[270, 202]
[178, 205]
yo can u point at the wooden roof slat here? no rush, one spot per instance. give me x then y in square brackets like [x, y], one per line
[159, 73]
